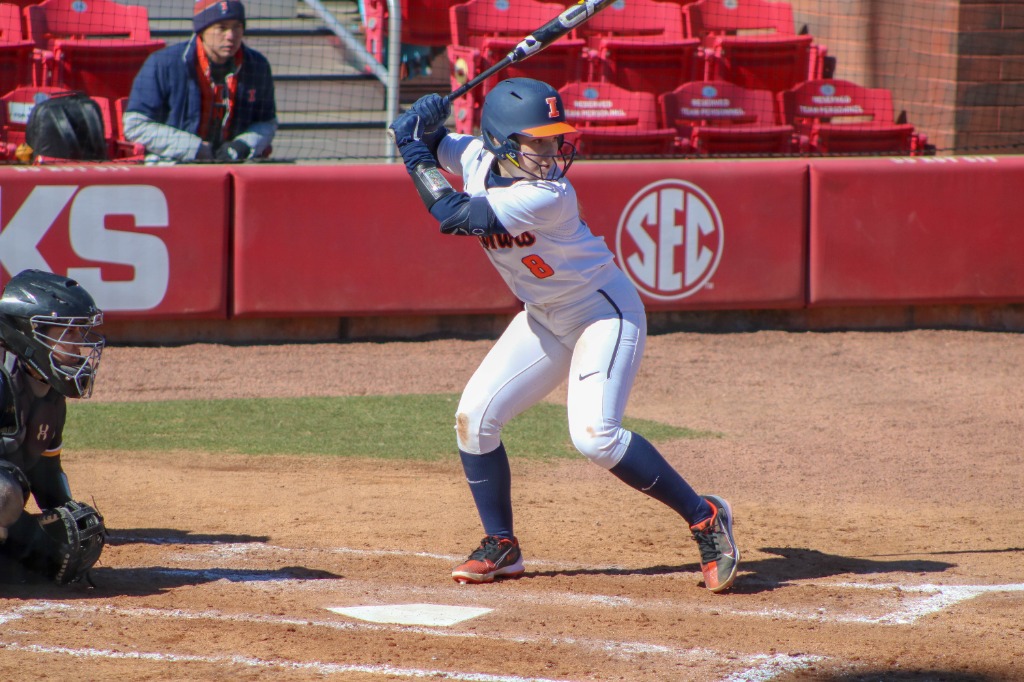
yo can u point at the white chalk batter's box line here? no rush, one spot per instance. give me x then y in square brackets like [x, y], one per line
[752, 667]
[898, 604]
[767, 667]
[913, 602]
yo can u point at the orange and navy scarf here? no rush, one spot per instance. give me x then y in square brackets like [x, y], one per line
[218, 101]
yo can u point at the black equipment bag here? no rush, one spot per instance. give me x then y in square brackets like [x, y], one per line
[67, 126]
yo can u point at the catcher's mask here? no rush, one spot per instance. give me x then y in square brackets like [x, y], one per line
[47, 321]
[524, 107]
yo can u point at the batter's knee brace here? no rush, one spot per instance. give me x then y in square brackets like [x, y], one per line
[604, 446]
[13, 495]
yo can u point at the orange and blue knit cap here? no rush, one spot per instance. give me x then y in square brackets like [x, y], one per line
[209, 12]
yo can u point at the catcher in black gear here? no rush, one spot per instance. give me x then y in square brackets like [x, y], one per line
[49, 352]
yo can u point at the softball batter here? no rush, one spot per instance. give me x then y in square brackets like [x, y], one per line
[582, 316]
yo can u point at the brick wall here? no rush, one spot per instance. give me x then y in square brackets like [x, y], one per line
[955, 66]
[990, 74]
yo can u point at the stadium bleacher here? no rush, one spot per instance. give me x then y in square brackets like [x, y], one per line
[484, 31]
[834, 116]
[714, 118]
[96, 47]
[17, 53]
[613, 121]
[334, 107]
[641, 45]
[424, 22]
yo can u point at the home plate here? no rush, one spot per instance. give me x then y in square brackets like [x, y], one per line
[411, 614]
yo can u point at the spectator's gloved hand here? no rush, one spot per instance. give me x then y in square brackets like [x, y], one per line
[205, 152]
[234, 151]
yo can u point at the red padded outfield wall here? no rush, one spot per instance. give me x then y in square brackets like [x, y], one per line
[146, 242]
[286, 241]
[922, 230]
[356, 240]
[350, 240]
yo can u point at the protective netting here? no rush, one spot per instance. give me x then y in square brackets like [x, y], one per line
[640, 79]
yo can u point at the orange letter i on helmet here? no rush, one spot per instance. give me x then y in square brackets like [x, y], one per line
[552, 107]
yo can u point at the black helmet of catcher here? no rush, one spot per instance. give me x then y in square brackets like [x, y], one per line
[47, 321]
[525, 107]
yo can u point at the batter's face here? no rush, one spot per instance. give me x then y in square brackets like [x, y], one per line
[222, 40]
[538, 155]
[539, 158]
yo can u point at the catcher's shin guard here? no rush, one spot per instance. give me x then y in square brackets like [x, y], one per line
[14, 491]
[28, 544]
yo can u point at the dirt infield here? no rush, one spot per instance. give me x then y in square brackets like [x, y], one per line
[876, 481]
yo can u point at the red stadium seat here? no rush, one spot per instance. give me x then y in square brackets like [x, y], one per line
[834, 116]
[613, 121]
[641, 45]
[122, 149]
[485, 31]
[709, 19]
[21, 5]
[15, 107]
[718, 118]
[753, 43]
[97, 47]
[16, 52]
[424, 22]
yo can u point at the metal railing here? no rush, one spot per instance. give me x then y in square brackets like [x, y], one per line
[389, 76]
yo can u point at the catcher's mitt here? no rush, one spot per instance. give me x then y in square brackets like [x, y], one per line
[79, 533]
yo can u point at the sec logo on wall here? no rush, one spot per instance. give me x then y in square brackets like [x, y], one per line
[670, 239]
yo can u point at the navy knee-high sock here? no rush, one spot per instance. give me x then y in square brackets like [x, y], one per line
[643, 468]
[490, 481]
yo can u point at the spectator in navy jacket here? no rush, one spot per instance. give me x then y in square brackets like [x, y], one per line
[208, 99]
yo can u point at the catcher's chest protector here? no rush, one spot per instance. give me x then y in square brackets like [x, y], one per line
[67, 126]
[12, 430]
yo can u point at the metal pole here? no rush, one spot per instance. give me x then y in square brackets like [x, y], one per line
[352, 44]
[394, 75]
[390, 76]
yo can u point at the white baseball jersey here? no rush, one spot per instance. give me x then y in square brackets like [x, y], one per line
[550, 256]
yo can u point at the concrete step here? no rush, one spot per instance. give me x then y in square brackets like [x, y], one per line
[329, 109]
[254, 9]
[302, 45]
[359, 96]
[356, 146]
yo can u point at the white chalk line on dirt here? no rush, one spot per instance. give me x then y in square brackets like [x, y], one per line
[770, 666]
[230, 549]
[936, 597]
[758, 666]
[234, 659]
[939, 598]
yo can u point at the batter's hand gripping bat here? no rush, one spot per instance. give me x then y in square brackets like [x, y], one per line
[572, 17]
[575, 15]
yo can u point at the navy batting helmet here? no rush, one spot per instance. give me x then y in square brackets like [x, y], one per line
[524, 107]
[47, 320]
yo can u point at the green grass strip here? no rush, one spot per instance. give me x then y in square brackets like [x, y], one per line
[388, 427]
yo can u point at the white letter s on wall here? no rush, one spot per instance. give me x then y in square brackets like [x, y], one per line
[147, 253]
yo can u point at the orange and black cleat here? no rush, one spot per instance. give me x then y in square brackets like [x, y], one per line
[719, 555]
[495, 557]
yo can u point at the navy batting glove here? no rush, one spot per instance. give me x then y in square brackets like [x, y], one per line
[407, 128]
[424, 118]
[434, 110]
